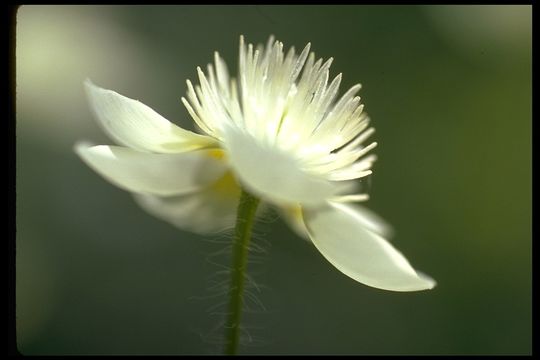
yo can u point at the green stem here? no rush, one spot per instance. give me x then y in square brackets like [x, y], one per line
[244, 222]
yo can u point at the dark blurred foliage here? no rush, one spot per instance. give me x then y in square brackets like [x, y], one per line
[449, 92]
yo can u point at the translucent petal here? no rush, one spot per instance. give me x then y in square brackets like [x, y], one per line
[340, 234]
[370, 219]
[131, 123]
[209, 210]
[272, 174]
[292, 215]
[158, 174]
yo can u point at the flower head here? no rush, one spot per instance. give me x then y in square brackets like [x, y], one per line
[278, 130]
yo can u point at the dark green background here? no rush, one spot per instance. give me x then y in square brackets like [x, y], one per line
[449, 92]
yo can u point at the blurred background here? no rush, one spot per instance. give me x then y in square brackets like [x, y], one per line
[448, 89]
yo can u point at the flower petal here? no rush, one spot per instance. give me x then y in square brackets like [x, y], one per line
[340, 234]
[131, 123]
[371, 220]
[209, 210]
[292, 215]
[272, 174]
[158, 174]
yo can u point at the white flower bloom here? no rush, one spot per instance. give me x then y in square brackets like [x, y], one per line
[280, 132]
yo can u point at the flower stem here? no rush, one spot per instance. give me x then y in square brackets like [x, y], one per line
[244, 222]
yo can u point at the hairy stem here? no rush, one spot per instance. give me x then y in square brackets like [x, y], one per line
[244, 222]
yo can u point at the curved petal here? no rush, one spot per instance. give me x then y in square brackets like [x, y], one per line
[340, 234]
[292, 215]
[158, 174]
[131, 123]
[371, 220]
[272, 174]
[209, 210]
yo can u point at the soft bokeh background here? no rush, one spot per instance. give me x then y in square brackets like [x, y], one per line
[449, 91]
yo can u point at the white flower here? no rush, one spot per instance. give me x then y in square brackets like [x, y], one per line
[281, 135]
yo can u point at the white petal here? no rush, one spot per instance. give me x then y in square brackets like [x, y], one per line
[292, 215]
[158, 174]
[370, 219]
[209, 210]
[273, 174]
[131, 123]
[340, 234]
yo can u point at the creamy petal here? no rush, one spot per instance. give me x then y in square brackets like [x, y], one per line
[131, 123]
[158, 174]
[209, 210]
[371, 220]
[292, 215]
[340, 234]
[272, 174]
